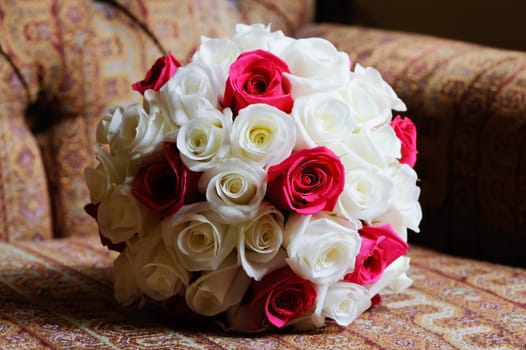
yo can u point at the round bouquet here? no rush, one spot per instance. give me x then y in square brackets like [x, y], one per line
[264, 184]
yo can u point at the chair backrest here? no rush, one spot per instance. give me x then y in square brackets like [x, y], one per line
[62, 64]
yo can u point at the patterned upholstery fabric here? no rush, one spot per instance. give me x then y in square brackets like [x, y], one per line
[285, 15]
[469, 104]
[57, 295]
[77, 58]
[24, 194]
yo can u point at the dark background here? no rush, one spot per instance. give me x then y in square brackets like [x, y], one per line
[497, 23]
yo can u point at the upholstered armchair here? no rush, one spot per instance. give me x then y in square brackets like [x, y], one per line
[62, 63]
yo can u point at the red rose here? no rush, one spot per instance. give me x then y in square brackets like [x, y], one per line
[162, 70]
[380, 247]
[257, 77]
[285, 295]
[405, 130]
[165, 186]
[307, 182]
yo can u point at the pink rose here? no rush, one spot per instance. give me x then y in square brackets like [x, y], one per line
[165, 186]
[406, 131]
[381, 245]
[307, 182]
[257, 77]
[162, 70]
[285, 296]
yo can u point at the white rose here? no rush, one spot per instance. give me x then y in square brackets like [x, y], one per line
[378, 147]
[322, 119]
[257, 36]
[379, 86]
[167, 102]
[393, 218]
[343, 302]
[157, 107]
[125, 286]
[197, 237]
[400, 283]
[405, 196]
[234, 189]
[391, 275]
[111, 171]
[103, 126]
[194, 79]
[98, 183]
[387, 144]
[263, 134]
[367, 194]
[132, 130]
[215, 291]
[204, 138]
[158, 273]
[315, 65]
[216, 51]
[260, 241]
[371, 98]
[321, 248]
[120, 216]
[218, 54]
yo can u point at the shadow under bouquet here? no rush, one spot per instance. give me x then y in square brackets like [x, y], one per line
[264, 185]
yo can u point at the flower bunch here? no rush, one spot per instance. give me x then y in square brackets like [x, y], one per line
[265, 184]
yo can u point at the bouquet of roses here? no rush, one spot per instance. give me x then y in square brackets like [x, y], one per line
[264, 184]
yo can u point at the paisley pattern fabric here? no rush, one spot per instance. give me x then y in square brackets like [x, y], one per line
[58, 295]
[469, 105]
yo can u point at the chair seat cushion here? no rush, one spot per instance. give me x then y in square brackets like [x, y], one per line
[58, 295]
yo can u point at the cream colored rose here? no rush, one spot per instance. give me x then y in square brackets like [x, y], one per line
[321, 248]
[260, 241]
[263, 134]
[103, 126]
[120, 216]
[125, 286]
[234, 189]
[197, 237]
[203, 140]
[132, 131]
[158, 272]
[215, 291]
[111, 171]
